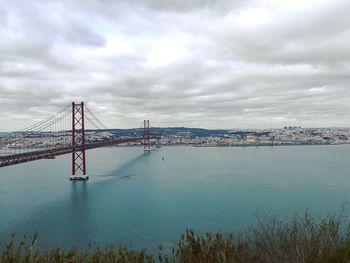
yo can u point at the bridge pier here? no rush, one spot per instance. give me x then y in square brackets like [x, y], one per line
[146, 137]
[78, 143]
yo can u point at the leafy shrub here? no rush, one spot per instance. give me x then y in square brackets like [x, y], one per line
[302, 239]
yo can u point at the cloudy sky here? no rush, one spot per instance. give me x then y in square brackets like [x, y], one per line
[200, 63]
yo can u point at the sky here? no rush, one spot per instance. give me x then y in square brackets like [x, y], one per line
[201, 63]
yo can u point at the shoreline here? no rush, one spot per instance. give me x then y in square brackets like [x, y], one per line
[233, 146]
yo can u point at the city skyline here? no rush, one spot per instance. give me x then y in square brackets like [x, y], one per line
[212, 64]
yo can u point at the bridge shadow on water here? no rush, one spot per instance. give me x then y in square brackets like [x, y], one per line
[121, 171]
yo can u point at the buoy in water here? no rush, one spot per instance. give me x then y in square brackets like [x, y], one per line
[162, 158]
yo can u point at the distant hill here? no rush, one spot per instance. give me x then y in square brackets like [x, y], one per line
[170, 131]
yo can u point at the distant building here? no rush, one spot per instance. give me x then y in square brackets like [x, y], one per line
[291, 127]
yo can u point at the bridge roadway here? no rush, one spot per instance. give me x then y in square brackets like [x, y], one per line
[18, 158]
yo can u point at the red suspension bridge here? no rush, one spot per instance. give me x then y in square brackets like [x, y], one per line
[55, 137]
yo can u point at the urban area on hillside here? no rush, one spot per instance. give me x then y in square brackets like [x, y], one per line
[192, 136]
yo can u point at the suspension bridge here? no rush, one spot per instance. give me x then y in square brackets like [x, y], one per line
[65, 133]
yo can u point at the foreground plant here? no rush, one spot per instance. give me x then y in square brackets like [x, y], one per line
[302, 239]
[25, 252]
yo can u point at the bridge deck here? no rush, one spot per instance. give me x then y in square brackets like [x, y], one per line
[13, 159]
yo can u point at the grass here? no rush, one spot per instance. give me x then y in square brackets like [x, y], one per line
[303, 238]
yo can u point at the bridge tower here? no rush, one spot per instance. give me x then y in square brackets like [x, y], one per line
[146, 136]
[78, 143]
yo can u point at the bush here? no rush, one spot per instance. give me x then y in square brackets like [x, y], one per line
[24, 252]
[302, 239]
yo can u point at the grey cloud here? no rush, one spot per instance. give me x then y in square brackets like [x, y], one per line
[193, 5]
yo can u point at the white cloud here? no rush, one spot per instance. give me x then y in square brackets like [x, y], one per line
[257, 63]
[167, 50]
[251, 17]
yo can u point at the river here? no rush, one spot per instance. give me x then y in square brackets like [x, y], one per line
[143, 201]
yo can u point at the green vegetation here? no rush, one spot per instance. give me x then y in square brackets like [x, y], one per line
[302, 239]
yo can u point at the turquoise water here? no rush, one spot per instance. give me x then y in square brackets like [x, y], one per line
[141, 201]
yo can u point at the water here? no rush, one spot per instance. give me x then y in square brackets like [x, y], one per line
[141, 201]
